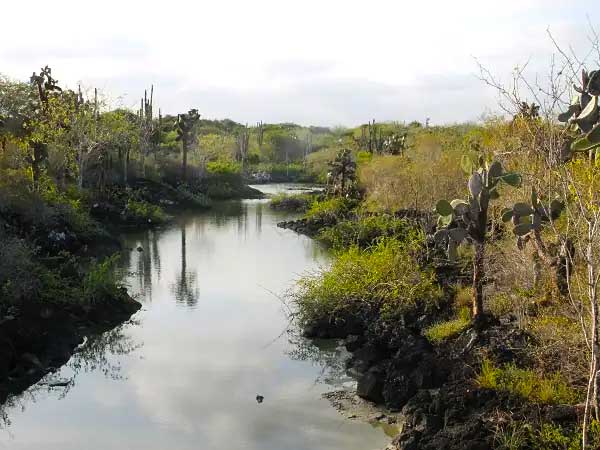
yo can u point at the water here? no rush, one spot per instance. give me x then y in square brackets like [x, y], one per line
[185, 373]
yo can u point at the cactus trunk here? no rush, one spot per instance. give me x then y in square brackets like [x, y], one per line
[478, 272]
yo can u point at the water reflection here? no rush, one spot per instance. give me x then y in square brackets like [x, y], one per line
[185, 288]
[193, 382]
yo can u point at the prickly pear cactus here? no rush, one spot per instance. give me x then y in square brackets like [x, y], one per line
[530, 217]
[583, 116]
[466, 220]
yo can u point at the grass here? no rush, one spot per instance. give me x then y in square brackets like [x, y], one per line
[443, 331]
[331, 210]
[526, 384]
[384, 278]
[364, 231]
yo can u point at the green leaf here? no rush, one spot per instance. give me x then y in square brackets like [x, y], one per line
[583, 145]
[522, 229]
[511, 178]
[444, 208]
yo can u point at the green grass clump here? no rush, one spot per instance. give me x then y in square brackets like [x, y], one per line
[384, 278]
[142, 211]
[527, 384]
[443, 331]
[292, 202]
[520, 435]
[366, 230]
[331, 210]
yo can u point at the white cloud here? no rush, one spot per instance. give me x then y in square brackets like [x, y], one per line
[312, 62]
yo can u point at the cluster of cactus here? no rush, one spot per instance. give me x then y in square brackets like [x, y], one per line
[467, 220]
[243, 140]
[342, 173]
[371, 137]
[395, 144]
[583, 116]
[527, 218]
[45, 84]
[528, 111]
[260, 133]
[469, 217]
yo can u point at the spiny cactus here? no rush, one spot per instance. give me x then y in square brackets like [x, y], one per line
[186, 133]
[243, 140]
[342, 173]
[395, 144]
[583, 116]
[467, 220]
[260, 133]
[528, 220]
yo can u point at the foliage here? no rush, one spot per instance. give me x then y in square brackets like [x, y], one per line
[101, 284]
[365, 230]
[519, 435]
[144, 212]
[383, 278]
[331, 210]
[527, 384]
[293, 202]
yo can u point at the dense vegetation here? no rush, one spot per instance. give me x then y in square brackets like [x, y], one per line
[526, 204]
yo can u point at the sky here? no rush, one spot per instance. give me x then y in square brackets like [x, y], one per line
[325, 62]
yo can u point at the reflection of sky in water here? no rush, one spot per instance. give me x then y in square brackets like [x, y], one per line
[186, 375]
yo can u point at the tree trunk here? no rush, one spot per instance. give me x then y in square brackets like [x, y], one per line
[478, 271]
[591, 401]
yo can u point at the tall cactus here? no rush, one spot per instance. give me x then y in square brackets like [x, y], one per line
[260, 134]
[467, 220]
[583, 117]
[185, 126]
[243, 140]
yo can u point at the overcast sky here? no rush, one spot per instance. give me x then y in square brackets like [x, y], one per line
[325, 62]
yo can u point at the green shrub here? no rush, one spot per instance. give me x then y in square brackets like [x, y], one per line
[527, 384]
[100, 283]
[384, 278]
[366, 230]
[442, 331]
[331, 210]
[519, 435]
[142, 212]
[293, 202]
[223, 168]
[17, 270]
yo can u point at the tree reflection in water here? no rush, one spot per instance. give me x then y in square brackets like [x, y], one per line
[327, 354]
[185, 287]
[95, 354]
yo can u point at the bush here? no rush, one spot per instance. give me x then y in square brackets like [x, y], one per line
[527, 384]
[142, 212]
[101, 284]
[294, 202]
[331, 210]
[366, 230]
[383, 279]
[520, 435]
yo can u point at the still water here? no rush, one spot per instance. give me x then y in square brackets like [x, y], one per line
[184, 373]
